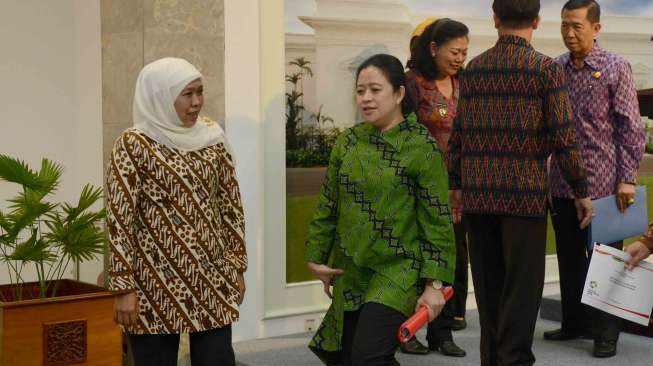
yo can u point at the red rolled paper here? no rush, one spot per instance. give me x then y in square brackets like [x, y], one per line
[408, 329]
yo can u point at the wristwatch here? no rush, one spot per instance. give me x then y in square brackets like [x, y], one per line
[437, 284]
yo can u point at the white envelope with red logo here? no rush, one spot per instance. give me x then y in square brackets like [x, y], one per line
[615, 290]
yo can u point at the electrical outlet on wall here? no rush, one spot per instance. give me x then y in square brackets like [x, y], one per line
[309, 325]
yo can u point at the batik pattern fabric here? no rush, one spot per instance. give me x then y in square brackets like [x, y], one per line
[434, 110]
[383, 217]
[513, 112]
[176, 234]
[607, 121]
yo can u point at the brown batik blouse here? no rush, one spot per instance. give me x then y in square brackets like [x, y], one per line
[433, 109]
[176, 234]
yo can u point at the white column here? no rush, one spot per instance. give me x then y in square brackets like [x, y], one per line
[255, 124]
[244, 127]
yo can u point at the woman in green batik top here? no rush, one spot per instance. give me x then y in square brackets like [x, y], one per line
[383, 218]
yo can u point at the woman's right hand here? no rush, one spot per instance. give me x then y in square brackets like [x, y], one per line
[125, 309]
[434, 301]
[325, 274]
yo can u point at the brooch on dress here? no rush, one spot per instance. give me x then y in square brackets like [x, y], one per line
[596, 75]
[441, 109]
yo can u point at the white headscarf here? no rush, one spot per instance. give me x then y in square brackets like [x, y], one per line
[158, 86]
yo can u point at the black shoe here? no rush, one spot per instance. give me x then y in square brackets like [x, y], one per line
[458, 324]
[603, 349]
[413, 347]
[563, 335]
[448, 348]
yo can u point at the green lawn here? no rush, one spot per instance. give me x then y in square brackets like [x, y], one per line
[299, 211]
[550, 238]
[648, 182]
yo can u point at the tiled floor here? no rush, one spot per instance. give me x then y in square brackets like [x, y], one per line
[292, 351]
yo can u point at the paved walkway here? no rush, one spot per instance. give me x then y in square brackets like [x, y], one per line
[291, 350]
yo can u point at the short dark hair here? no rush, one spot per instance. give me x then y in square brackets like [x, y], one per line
[393, 71]
[516, 13]
[593, 9]
[440, 32]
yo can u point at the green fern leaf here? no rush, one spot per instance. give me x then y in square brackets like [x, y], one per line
[17, 171]
[32, 250]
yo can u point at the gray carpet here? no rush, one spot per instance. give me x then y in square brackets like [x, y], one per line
[291, 350]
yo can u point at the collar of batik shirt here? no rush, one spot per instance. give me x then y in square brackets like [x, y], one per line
[516, 40]
[396, 135]
[595, 60]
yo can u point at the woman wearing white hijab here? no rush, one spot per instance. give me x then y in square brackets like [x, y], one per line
[175, 222]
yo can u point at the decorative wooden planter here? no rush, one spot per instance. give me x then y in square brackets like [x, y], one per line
[74, 328]
[304, 181]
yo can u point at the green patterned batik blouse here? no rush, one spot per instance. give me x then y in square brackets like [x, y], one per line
[383, 217]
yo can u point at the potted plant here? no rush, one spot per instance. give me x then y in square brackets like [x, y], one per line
[52, 321]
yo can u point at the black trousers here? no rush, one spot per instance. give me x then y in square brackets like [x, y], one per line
[208, 348]
[573, 262]
[507, 258]
[440, 328]
[369, 336]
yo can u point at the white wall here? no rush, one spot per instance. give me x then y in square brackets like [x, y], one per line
[51, 93]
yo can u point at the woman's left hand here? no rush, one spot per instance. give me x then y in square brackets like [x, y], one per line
[434, 301]
[241, 287]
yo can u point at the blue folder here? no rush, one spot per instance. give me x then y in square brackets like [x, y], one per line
[610, 225]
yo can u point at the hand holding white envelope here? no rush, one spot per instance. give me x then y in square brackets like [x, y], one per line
[612, 288]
